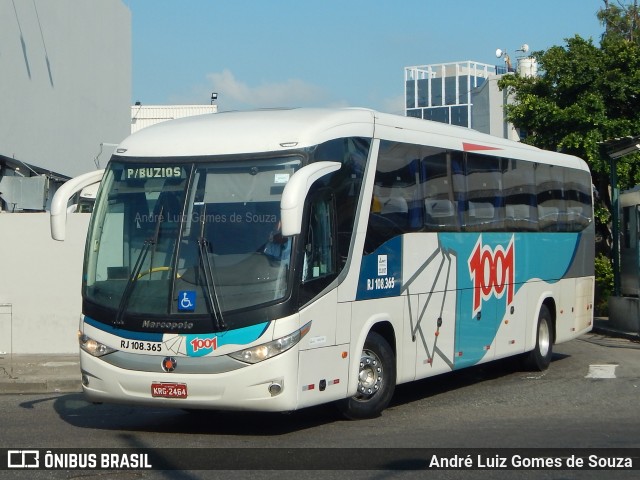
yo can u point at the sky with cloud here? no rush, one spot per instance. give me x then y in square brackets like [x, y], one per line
[285, 53]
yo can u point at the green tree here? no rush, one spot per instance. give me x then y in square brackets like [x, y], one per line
[620, 20]
[585, 95]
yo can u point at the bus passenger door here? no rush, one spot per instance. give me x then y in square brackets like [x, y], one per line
[319, 256]
[323, 365]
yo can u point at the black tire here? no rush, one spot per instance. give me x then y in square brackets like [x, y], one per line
[539, 358]
[376, 380]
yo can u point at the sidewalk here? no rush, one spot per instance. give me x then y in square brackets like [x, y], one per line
[54, 373]
[603, 327]
[61, 373]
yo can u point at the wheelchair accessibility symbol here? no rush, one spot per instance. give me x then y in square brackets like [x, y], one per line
[187, 301]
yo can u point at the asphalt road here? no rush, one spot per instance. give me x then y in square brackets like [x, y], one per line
[589, 398]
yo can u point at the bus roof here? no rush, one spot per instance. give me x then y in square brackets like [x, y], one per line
[285, 129]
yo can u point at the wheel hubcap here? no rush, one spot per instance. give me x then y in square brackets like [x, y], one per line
[544, 338]
[369, 376]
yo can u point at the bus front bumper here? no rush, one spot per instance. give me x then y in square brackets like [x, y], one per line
[266, 386]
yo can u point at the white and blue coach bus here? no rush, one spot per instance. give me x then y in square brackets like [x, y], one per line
[274, 260]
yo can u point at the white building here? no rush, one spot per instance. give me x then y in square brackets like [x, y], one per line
[462, 93]
[66, 92]
[146, 115]
[66, 89]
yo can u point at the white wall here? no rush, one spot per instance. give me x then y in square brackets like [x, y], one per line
[66, 81]
[65, 89]
[40, 282]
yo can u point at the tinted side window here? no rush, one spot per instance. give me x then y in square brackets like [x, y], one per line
[484, 206]
[319, 260]
[319, 256]
[577, 199]
[519, 190]
[550, 195]
[345, 184]
[395, 205]
[419, 188]
[443, 190]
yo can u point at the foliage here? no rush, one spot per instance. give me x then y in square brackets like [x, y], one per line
[604, 284]
[621, 20]
[585, 96]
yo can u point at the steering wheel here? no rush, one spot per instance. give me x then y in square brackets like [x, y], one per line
[153, 270]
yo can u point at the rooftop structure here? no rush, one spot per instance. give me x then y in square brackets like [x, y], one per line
[146, 115]
[445, 92]
[463, 93]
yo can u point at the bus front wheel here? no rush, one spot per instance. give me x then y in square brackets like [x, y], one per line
[539, 358]
[376, 380]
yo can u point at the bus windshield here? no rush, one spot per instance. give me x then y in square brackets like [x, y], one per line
[182, 237]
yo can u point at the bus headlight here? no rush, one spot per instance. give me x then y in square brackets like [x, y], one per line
[93, 347]
[271, 349]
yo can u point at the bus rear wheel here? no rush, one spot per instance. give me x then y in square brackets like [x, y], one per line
[539, 358]
[376, 380]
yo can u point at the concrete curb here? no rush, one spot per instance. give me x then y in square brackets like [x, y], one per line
[47, 386]
[40, 374]
[611, 332]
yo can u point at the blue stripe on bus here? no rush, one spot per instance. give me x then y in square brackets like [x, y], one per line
[241, 336]
[537, 256]
[534, 256]
[143, 336]
[546, 257]
[381, 271]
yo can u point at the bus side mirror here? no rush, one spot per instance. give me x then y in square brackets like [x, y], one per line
[295, 193]
[61, 199]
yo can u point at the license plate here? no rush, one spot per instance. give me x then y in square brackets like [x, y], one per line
[169, 390]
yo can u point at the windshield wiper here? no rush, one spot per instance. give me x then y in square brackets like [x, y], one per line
[137, 267]
[207, 270]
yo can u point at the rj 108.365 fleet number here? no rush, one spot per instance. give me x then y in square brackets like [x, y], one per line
[140, 346]
[381, 283]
